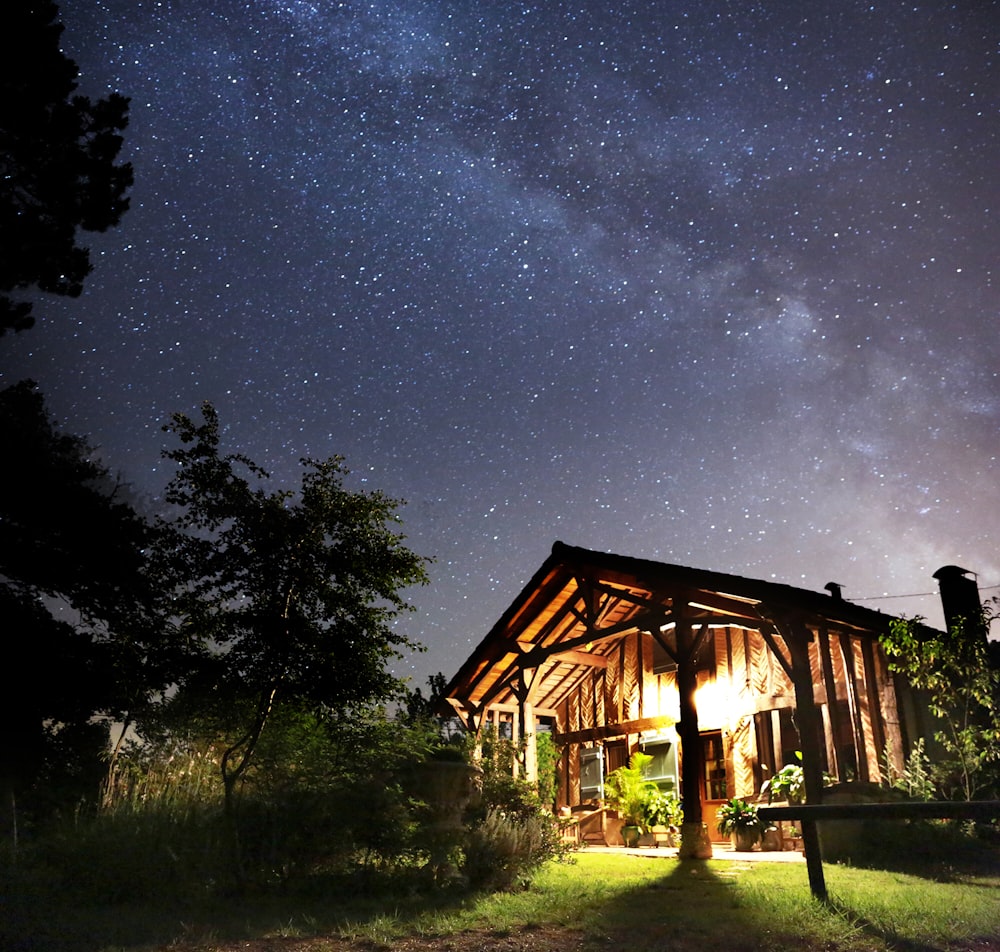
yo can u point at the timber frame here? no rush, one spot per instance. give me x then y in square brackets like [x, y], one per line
[607, 649]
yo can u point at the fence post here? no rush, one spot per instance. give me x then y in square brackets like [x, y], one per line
[814, 859]
[798, 637]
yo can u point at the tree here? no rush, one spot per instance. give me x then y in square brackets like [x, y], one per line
[58, 172]
[81, 634]
[295, 593]
[963, 694]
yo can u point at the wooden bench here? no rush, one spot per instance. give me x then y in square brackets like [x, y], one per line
[807, 814]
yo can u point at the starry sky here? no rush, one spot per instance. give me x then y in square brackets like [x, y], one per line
[708, 282]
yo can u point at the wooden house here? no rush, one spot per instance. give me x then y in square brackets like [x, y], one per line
[721, 678]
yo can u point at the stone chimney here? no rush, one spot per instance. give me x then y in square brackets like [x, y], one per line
[960, 599]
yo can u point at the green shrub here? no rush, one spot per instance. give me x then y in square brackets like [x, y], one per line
[510, 831]
[548, 758]
[504, 850]
[916, 779]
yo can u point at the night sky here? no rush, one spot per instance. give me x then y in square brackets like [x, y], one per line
[711, 283]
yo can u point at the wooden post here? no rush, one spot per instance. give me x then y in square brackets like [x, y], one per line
[525, 725]
[694, 843]
[529, 735]
[798, 637]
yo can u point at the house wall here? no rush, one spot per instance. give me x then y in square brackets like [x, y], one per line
[745, 692]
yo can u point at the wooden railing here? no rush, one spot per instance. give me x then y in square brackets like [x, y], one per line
[809, 813]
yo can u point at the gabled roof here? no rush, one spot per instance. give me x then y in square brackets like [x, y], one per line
[577, 606]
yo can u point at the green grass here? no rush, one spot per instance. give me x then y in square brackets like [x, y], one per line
[650, 904]
[613, 901]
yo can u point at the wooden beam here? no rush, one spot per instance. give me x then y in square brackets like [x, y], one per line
[767, 633]
[664, 644]
[906, 810]
[686, 655]
[832, 704]
[512, 709]
[471, 717]
[854, 698]
[692, 766]
[609, 731]
[539, 654]
[584, 658]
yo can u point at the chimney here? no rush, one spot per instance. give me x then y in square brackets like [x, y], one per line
[960, 599]
[835, 590]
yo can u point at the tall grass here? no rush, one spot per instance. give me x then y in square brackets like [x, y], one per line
[176, 786]
[155, 833]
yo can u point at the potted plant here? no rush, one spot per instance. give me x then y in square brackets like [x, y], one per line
[664, 816]
[738, 819]
[627, 791]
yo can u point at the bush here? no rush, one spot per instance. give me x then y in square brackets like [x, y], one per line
[503, 851]
[511, 832]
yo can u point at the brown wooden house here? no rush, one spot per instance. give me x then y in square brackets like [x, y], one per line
[613, 654]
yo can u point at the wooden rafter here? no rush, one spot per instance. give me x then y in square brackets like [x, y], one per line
[767, 632]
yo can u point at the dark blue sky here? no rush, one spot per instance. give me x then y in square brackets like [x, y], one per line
[713, 283]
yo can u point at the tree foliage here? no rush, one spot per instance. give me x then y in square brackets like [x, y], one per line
[58, 171]
[295, 593]
[963, 695]
[81, 633]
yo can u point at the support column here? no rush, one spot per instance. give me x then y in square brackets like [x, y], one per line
[695, 843]
[798, 637]
[525, 727]
[529, 736]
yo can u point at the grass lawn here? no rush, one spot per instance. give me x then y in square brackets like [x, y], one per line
[595, 901]
[652, 904]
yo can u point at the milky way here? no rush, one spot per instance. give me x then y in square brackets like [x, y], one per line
[712, 283]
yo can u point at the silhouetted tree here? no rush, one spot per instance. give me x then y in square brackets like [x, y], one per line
[57, 162]
[81, 635]
[295, 592]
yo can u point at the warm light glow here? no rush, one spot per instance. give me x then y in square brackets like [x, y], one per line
[710, 701]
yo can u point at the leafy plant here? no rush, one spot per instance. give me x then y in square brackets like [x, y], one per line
[548, 757]
[663, 809]
[915, 779]
[504, 850]
[510, 831]
[787, 784]
[739, 816]
[628, 791]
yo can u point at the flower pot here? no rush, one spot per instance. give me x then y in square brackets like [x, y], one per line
[630, 835]
[771, 840]
[744, 840]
